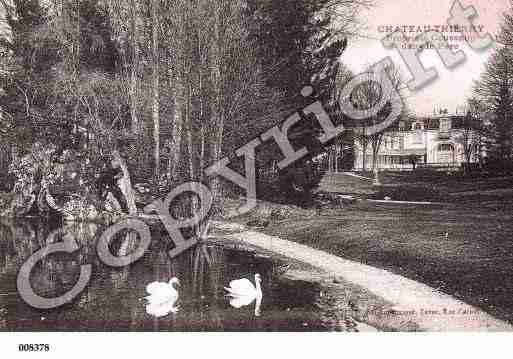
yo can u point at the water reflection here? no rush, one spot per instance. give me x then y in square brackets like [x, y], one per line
[114, 298]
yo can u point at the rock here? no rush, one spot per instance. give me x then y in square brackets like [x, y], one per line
[79, 209]
[347, 199]
[112, 204]
[365, 328]
[142, 187]
[279, 214]
[259, 223]
[92, 212]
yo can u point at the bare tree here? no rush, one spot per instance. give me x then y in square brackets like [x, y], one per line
[99, 104]
[135, 59]
[215, 81]
[155, 75]
[475, 130]
[472, 127]
[365, 97]
[127, 36]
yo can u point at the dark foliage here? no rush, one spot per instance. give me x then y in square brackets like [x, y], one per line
[297, 49]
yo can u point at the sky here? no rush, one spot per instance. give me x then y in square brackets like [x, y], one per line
[453, 87]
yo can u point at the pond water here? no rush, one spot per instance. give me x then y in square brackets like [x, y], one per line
[114, 298]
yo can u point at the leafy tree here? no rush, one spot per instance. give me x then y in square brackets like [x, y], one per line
[61, 60]
[193, 76]
[495, 89]
[506, 34]
[28, 62]
[299, 45]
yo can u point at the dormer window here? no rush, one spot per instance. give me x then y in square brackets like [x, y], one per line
[417, 126]
[445, 125]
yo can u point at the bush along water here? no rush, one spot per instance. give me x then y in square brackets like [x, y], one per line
[47, 183]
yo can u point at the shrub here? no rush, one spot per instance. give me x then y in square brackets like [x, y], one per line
[410, 193]
[298, 182]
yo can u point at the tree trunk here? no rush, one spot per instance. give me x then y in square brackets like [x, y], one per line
[220, 100]
[135, 126]
[125, 183]
[215, 184]
[336, 158]
[364, 159]
[176, 131]
[188, 132]
[155, 87]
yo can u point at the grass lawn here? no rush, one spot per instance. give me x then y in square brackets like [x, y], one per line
[444, 182]
[465, 250]
[424, 186]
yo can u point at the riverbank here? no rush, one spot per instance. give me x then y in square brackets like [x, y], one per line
[460, 250]
[379, 298]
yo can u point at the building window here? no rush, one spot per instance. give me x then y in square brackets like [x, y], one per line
[445, 125]
[416, 126]
[445, 147]
[394, 143]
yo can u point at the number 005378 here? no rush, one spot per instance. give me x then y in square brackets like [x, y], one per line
[34, 347]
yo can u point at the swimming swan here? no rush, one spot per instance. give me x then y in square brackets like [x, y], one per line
[243, 293]
[162, 298]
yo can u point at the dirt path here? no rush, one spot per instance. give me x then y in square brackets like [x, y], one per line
[427, 308]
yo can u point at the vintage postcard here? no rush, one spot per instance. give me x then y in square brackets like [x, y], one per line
[254, 166]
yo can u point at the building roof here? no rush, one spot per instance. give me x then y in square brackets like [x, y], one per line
[433, 122]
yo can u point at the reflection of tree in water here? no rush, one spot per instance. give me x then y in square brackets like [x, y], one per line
[54, 274]
[6, 245]
[203, 272]
[207, 282]
[18, 240]
[113, 299]
[200, 271]
[57, 273]
[206, 270]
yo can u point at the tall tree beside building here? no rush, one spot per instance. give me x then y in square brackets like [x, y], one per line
[155, 80]
[300, 44]
[506, 33]
[366, 97]
[495, 88]
[474, 132]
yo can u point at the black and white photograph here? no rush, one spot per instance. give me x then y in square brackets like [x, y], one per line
[336, 169]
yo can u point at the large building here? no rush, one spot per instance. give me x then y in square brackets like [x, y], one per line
[436, 141]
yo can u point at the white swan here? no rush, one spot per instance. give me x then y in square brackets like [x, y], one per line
[243, 293]
[162, 298]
